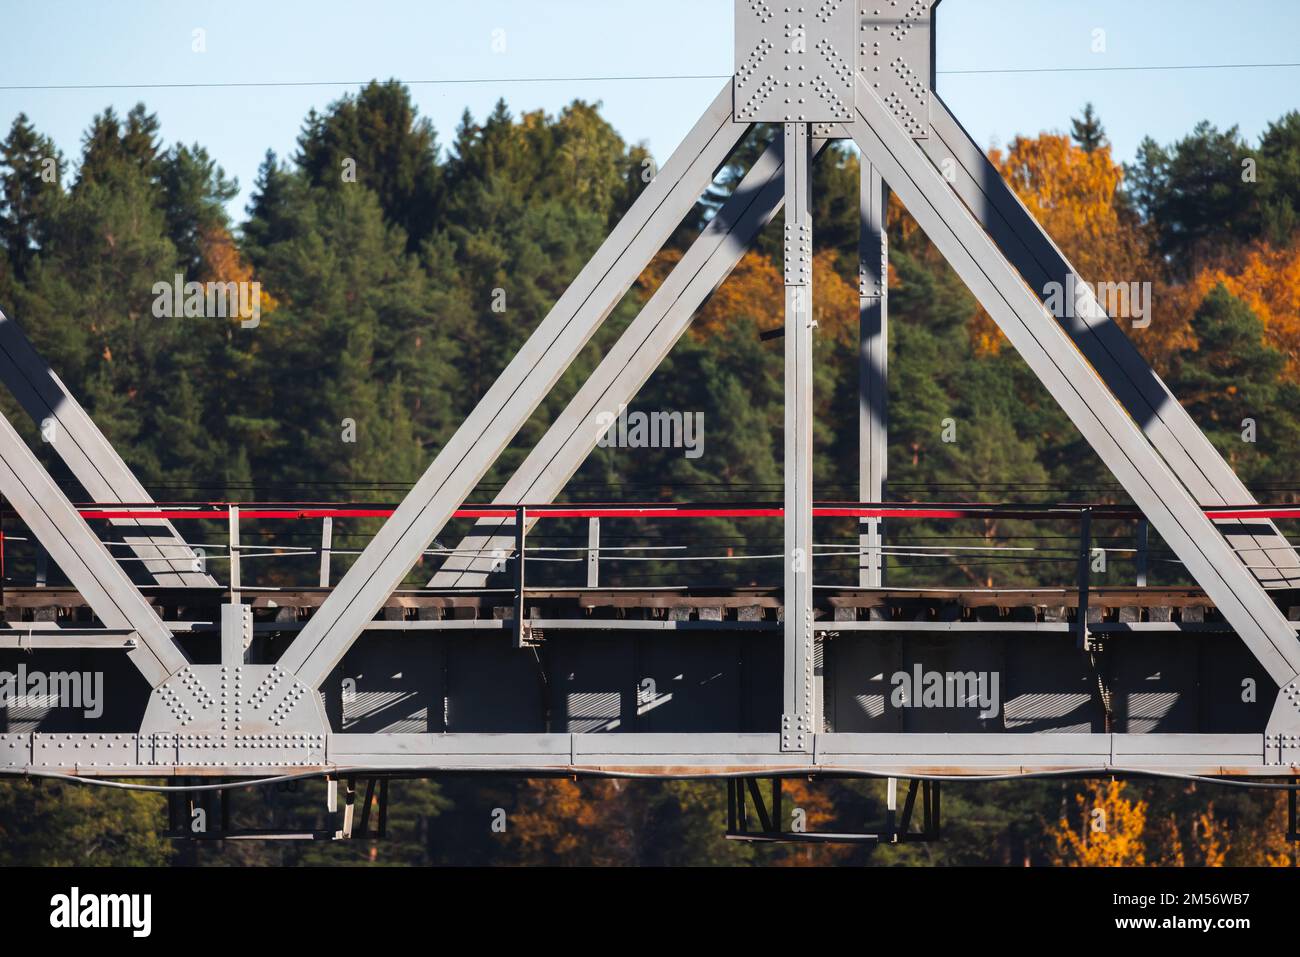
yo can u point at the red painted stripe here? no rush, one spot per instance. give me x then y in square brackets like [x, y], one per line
[666, 511]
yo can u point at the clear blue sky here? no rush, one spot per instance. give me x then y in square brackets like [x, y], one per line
[106, 42]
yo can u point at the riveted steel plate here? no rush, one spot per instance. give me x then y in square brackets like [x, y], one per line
[232, 701]
[794, 61]
[894, 56]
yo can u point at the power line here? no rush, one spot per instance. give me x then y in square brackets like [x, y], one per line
[1123, 69]
[260, 84]
[645, 78]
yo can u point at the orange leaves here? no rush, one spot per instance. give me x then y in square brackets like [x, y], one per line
[1074, 195]
[561, 821]
[1267, 280]
[1070, 191]
[755, 290]
[222, 262]
[1213, 837]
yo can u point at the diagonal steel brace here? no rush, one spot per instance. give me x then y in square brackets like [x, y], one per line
[1075, 384]
[92, 459]
[75, 548]
[629, 362]
[530, 375]
[1148, 400]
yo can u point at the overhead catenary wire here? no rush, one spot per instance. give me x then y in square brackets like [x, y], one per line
[610, 78]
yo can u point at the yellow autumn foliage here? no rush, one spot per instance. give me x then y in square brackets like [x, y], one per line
[755, 289]
[222, 262]
[1073, 194]
[1109, 832]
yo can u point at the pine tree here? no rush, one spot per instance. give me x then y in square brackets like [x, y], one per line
[1279, 179]
[194, 193]
[109, 146]
[32, 186]
[1196, 194]
[1087, 130]
[378, 140]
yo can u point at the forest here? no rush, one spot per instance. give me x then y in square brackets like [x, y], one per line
[399, 274]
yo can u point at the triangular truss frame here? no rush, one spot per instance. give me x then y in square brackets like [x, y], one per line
[859, 70]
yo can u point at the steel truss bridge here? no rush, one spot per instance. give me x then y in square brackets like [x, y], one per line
[485, 669]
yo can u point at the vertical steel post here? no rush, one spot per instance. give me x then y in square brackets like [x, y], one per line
[236, 632]
[1143, 555]
[1085, 572]
[593, 552]
[521, 605]
[891, 809]
[234, 554]
[873, 364]
[798, 720]
[326, 545]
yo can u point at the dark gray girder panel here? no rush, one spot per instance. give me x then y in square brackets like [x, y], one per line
[121, 690]
[578, 681]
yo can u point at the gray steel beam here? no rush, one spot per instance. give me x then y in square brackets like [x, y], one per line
[629, 362]
[873, 366]
[1147, 399]
[530, 375]
[99, 755]
[53, 520]
[800, 715]
[92, 459]
[1077, 387]
[66, 639]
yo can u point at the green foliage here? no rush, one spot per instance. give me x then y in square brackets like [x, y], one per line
[49, 824]
[1279, 179]
[377, 139]
[1212, 188]
[1232, 378]
[33, 172]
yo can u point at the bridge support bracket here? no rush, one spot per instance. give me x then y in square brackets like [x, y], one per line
[752, 819]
